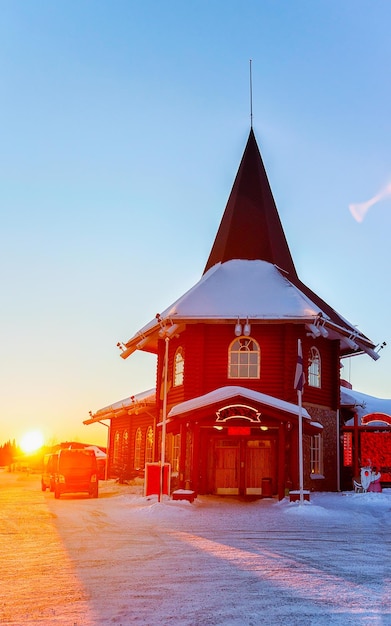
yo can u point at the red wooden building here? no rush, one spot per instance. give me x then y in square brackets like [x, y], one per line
[365, 435]
[226, 406]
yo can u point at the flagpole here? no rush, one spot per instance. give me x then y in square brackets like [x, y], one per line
[299, 383]
[301, 472]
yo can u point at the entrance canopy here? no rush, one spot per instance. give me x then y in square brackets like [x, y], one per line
[233, 402]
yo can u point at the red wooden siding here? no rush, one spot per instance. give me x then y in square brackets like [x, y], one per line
[130, 423]
[206, 346]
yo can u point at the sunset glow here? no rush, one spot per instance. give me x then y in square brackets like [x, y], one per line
[32, 441]
[318, 103]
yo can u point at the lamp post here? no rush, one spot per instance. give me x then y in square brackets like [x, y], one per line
[107, 448]
[164, 420]
[168, 330]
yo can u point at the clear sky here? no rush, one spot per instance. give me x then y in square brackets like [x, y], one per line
[123, 124]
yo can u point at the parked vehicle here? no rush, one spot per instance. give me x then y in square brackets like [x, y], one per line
[101, 468]
[101, 459]
[77, 471]
[48, 471]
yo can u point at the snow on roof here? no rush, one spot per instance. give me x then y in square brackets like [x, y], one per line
[254, 289]
[143, 397]
[246, 289]
[242, 288]
[363, 403]
[225, 393]
[98, 452]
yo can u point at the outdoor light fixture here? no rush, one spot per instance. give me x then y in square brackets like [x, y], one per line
[218, 427]
[313, 330]
[352, 344]
[317, 327]
[247, 329]
[323, 331]
[238, 328]
[264, 428]
[372, 353]
[169, 331]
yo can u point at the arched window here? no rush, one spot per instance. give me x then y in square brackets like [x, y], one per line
[137, 449]
[244, 358]
[179, 366]
[314, 378]
[125, 449]
[117, 448]
[149, 445]
[176, 441]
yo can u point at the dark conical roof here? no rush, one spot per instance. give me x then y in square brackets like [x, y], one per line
[250, 228]
[250, 258]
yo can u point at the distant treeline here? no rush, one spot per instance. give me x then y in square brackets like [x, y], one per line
[8, 453]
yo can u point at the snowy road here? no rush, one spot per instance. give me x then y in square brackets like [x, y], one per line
[123, 559]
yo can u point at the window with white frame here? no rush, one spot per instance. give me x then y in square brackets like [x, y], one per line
[244, 358]
[317, 456]
[176, 440]
[314, 369]
[125, 448]
[149, 445]
[173, 451]
[117, 448]
[179, 367]
[137, 449]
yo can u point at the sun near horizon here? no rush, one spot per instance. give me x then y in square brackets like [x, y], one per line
[32, 441]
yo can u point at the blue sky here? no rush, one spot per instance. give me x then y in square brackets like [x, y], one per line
[123, 125]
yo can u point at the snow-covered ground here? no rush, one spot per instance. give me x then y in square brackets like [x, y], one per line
[124, 559]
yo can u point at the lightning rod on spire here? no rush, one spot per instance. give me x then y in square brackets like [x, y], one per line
[251, 95]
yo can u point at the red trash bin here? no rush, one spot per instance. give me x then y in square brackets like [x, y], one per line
[153, 478]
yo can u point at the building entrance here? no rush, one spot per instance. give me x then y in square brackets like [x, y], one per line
[227, 470]
[242, 466]
[258, 465]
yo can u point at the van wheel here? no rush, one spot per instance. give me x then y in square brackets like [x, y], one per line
[56, 493]
[94, 493]
[43, 486]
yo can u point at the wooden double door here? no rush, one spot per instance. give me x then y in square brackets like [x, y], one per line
[245, 466]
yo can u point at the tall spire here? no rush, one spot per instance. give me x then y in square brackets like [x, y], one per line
[251, 95]
[250, 227]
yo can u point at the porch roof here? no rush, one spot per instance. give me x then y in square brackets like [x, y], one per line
[235, 393]
[137, 403]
